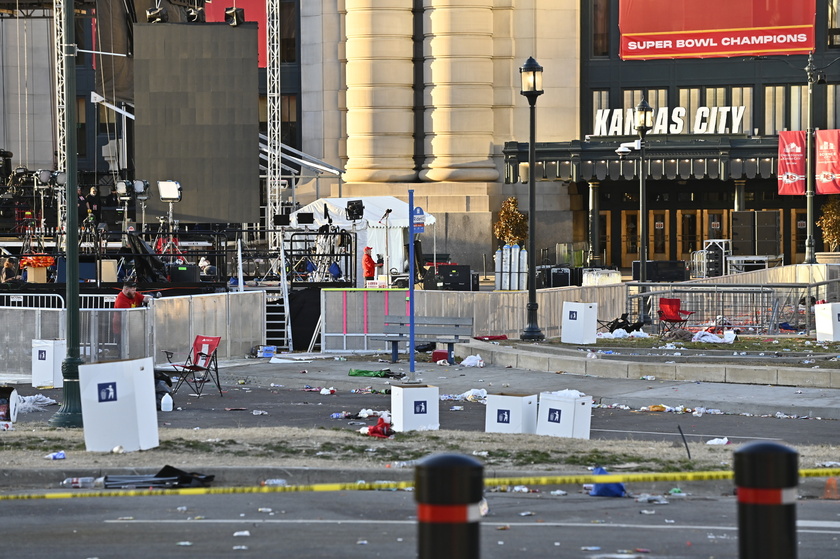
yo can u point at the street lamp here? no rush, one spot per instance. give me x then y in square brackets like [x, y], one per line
[531, 76]
[644, 122]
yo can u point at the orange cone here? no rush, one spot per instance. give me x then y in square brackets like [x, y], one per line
[831, 491]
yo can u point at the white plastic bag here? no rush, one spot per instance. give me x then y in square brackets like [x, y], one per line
[472, 361]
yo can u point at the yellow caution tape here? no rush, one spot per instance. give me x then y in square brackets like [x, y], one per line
[394, 485]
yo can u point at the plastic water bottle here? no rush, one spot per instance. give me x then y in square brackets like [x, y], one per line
[78, 482]
[166, 403]
[274, 482]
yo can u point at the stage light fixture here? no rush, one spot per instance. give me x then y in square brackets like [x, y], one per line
[44, 176]
[195, 15]
[170, 191]
[234, 16]
[355, 210]
[157, 15]
[141, 190]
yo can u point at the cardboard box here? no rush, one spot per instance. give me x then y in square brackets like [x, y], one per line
[415, 407]
[560, 415]
[440, 355]
[36, 275]
[511, 413]
[47, 357]
[580, 323]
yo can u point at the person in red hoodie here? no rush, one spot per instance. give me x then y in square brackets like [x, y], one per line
[369, 265]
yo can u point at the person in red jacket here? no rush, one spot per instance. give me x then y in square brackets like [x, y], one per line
[369, 265]
[128, 297]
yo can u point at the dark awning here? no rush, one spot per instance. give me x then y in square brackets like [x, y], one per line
[667, 157]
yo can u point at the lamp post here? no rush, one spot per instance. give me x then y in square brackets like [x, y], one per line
[69, 414]
[644, 122]
[810, 167]
[531, 75]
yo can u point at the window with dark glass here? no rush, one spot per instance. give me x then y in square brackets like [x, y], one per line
[600, 27]
[288, 31]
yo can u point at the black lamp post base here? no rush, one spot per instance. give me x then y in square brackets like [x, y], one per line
[532, 331]
[70, 412]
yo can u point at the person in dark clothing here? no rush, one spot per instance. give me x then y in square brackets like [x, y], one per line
[94, 204]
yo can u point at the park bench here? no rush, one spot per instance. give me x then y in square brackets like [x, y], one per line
[448, 330]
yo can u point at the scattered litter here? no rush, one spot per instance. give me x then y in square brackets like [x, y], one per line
[184, 544]
[472, 361]
[274, 482]
[505, 527]
[456, 408]
[361, 542]
[327, 391]
[37, 402]
[259, 412]
[606, 489]
[443, 363]
[652, 499]
[60, 455]
[648, 377]
[527, 513]
[558, 493]
[235, 409]
[590, 548]
[240, 548]
[643, 511]
[719, 441]
[482, 453]
[242, 533]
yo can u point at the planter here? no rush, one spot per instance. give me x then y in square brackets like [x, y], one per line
[827, 257]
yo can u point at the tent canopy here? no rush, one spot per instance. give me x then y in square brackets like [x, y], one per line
[375, 208]
[388, 238]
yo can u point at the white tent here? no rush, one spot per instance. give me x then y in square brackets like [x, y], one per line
[383, 230]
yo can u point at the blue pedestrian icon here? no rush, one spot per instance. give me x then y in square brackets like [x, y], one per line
[420, 407]
[107, 391]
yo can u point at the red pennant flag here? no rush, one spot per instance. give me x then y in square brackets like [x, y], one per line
[828, 162]
[791, 163]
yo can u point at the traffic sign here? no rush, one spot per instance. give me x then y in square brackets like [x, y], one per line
[418, 220]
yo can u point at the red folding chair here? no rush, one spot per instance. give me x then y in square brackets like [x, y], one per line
[671, 316]
[200, 367]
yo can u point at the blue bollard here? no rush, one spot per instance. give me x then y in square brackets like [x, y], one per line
[448, 489]
[766, 477]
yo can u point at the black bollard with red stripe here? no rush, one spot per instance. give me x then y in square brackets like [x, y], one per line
[766, 477]
[448, 489]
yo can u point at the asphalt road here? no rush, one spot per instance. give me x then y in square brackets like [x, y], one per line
[383, 524]
[296, 407]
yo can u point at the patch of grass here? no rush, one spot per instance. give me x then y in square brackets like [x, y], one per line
[599, 458]
[41, 444]
[525, 457]
[183, 445]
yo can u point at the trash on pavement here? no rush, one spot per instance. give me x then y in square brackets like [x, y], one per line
[472, 361]
[606, 489]
[59, 455]
[719, 441]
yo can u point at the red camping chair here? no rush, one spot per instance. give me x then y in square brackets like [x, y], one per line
[201, 365]
[671, 316]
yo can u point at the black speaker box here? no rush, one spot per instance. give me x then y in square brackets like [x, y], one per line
[560, 277]
[183, 273]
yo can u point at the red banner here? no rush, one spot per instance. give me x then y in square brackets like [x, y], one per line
[792, 166]
[254, 11]
[828, 162]
[652, 29]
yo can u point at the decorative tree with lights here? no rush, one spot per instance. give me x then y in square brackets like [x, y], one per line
[512, 227]
[829, 222]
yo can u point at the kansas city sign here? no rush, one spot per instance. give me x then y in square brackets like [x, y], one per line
[705, 120]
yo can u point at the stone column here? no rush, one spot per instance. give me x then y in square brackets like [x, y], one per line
[594, 223]
[380, 128]
[459, 91]
[740, 201]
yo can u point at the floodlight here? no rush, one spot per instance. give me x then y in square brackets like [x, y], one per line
[141, 190]
[60, 178]
[234, 16]
[44, 176]
[355, 210]
[124, 189]
[170, 191]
